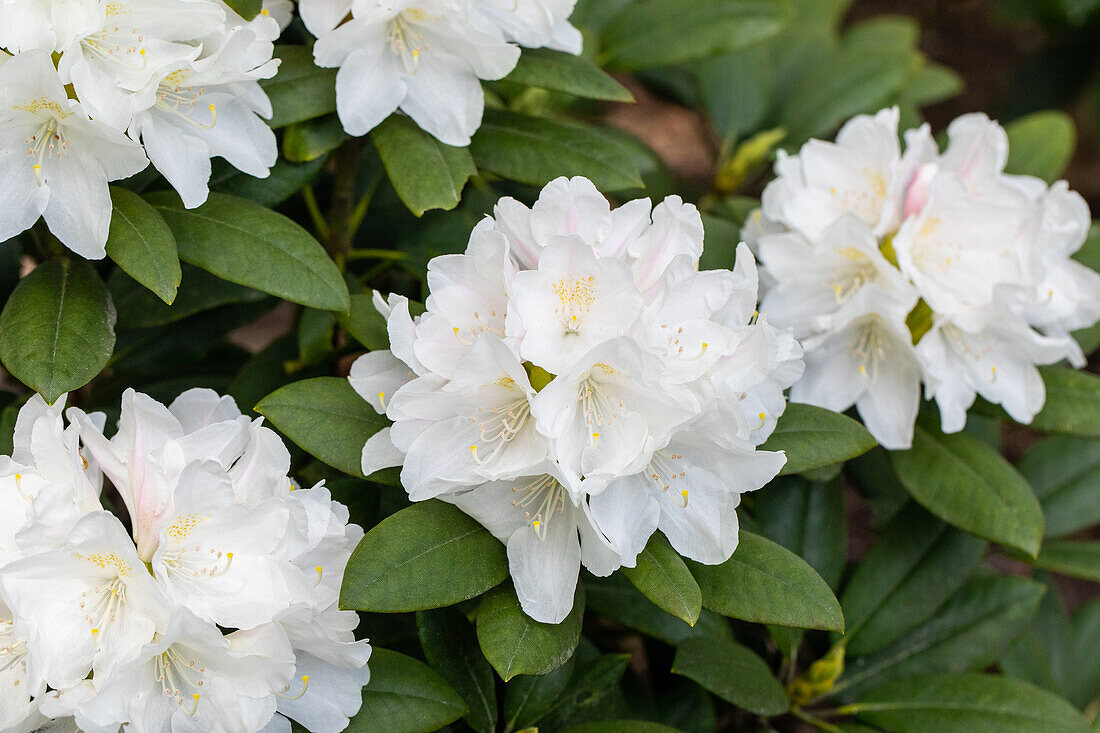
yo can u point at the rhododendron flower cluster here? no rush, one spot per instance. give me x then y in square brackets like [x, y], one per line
[97, 90]
[428, 57]
[896, 267]
[213, 608]
[575, 384]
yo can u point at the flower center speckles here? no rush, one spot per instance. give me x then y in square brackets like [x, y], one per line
[576, 296]
[48, 140]
[114, 47]
[598, 406]
[540, 500]
[967, 352]
[101, 605]
[870, 347]
[197, 563]
[848, 280]
[180, 678]
[665, 469]
[12, 650]
[499, 426]
[405, 41]
[480, 325]
[175, 97]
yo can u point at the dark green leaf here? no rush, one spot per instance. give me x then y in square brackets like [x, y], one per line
[814, 437]
[405, 695]
[933, 83]
[528, 697]
[1084, 677]
[199, 291]
[536, 150]
[284, 181]
[621, 726]
[664, 579]
[1064, 473]
[516, 644]
[967, 703]
[1070, 557]
[1044, 655]
[425, 173]
[917, 564]
[808, 519]
[765, 583]
[450, 646]
[737, 91]
[732, 672]
[364, 323]
[247, 9]
[141, 243]
[1041, 144]
[587, 689]
[315, 333]
[615, 598]
[309, 140]
[246, 243]
[326, 418]
[301, 90]
[960, 479]
[428, 555]
[564, 72]
[57, 328]
[653, 33]
[970, 631]
[1073, 402]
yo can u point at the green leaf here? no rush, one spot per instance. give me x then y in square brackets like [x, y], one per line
[364, 323]
[315, 333]
[284, 180]
[450, 646]
[1041, 144]
[917, 564]
[1072, 405]
[808, 519]
[587, 689]
[301, 90]
[428, 555]
[814, 437]
[1077, 559]
[535, 150]
[563, 72]
[57, 328]
[516, 644]
[765, 583]
[1064, 473]
[732, 672]
[1084, 677]
[933, 83]
[326, 418]
[967, 703]
[528, 697]
[621, 726]
[247, 9]
[199, 291]
[141, 243]
[962, 480]
[306, 141]
[618, 600]
[737, 92]
[970, 631]
[425, 173]
[405, 695]
[246, 243]
[653, 33]
[663, 578]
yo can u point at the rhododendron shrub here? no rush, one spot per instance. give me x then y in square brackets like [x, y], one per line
[575, 366]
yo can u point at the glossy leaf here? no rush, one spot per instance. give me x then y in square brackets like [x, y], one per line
[450, 646]
[326, 418]
[1073, 402]
[967, 703]
[536, 150]
[1064, 473]
[1078, 559]
[247, 9]
[301, 90]
[558, 71]
[814, 437]
[662, 576]
[653, 33]
[304, 142]
[246, 243]
[284, 180]
[916, 565]
[1041, 144]
[732, 672]
[809, 520]
[617, 599]
[141, 243]
[765, 583]
[405, 695]
[199, 291]
[516, 644]
[587, 692]
[528, 697]
[428, 555]
[962, 480]
[57, 328]
[425, 173]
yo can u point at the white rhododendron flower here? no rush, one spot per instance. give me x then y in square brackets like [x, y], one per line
[95, 91]
[901, 267]
[575, 384]
[427, 57]
[212, 609]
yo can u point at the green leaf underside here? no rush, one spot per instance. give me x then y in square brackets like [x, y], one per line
[428, 555]
[326, 418]
[57, 328]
